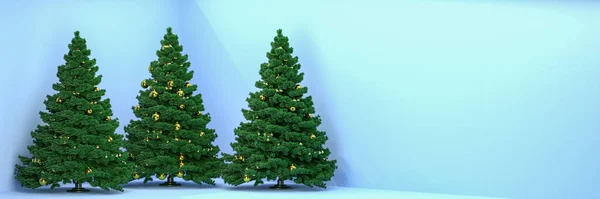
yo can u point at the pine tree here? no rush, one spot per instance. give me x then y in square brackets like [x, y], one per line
[171, 138]
[280, 140]
[77, 142]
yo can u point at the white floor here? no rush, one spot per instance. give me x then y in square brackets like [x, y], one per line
[192, 191]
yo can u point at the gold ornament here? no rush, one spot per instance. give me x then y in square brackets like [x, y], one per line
[150, 68]
[182, 106]
[162, 176]
[181, 157]
[298, 86]
[176, 139]
[166, 46]
[89, 111]
[199, 113]
[42, 181]
[292, 108]
[96, 89]
[88, 170]
[170, 83]
[136, 176]
[246, 178]
[110, 139]
[187, 84]
[181, 164]
[202, 133]
[107, 118]
[262, 97]
[144, 84]
[313, 136]
[180, 174]
[309, 115]
[177, 126]
[138, 107]
[153, 94]
[292, 167]
[155, 116]
[180, 93]
[58, 100]
[147, 139]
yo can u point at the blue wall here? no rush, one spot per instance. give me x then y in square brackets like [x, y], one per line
[491, 99]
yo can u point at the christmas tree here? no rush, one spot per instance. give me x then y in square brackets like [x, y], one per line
[280, 140]
[171, 139]
[77, 142]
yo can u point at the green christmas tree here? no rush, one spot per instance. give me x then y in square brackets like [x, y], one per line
[77, 143]
[171, 138]
[280, 140]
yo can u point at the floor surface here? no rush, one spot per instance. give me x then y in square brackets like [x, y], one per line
[151, 190]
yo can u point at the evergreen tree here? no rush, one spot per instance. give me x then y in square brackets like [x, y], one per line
[77, 143]
[171, 139]
[280, 140]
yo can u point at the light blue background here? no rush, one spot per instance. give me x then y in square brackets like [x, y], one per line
[482, 98]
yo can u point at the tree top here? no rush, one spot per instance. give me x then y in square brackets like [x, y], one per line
[279, 32]
[169, 30]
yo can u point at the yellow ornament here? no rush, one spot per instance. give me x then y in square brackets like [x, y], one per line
[88, 170]
[187, 84]
[202, 133]
[96, 89]
[136, 176]
[153, 94]
[181, 157]
[292, 167]
[199, 113]
[166, 46]
[246, 178]
[89, 111]
[58, 100]
[298, 86]
[144, 84]
[180, 93]
[147, 139]
[155, 116]
[107, 118]
[292, 108]
[262, 97]
[42, 181]
[182, 106]
[162, 176]
[313, 136]
[180, 174]
[110, 139]
[138, 107]
[181, 164]
[177, 126]
[176, 139]
[150, 68]
[170, 83]
[309, 115]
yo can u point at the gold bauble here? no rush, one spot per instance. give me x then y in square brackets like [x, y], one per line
[110, 139]
[182, 106]
[181, 157]
[292, 108]
[246, 178]
[202, 133]
[177, 126]
[162, 176]
[181, 164]
[180, 174]
[88, 170]
[180, 93]
[170, 83]
[42, 181]
[136, 176]
[176, 139]
[155, 116]
[107, 118]
[298, 86]
[199, 113]
[153, 94]
[138, 107]
[313, 136]
[309, 115]
[144, 84]
[262, 97]
[89, 111]
[96, 89]
[149, 68]
[187, 84]
[292, 167]
[58, 100]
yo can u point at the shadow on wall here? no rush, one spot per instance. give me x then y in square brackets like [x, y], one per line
[222, 86]
[31, 118]
[307, 52]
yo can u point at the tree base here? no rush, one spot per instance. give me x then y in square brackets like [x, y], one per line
[170, 183]
[78, 190]
[280, 187]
